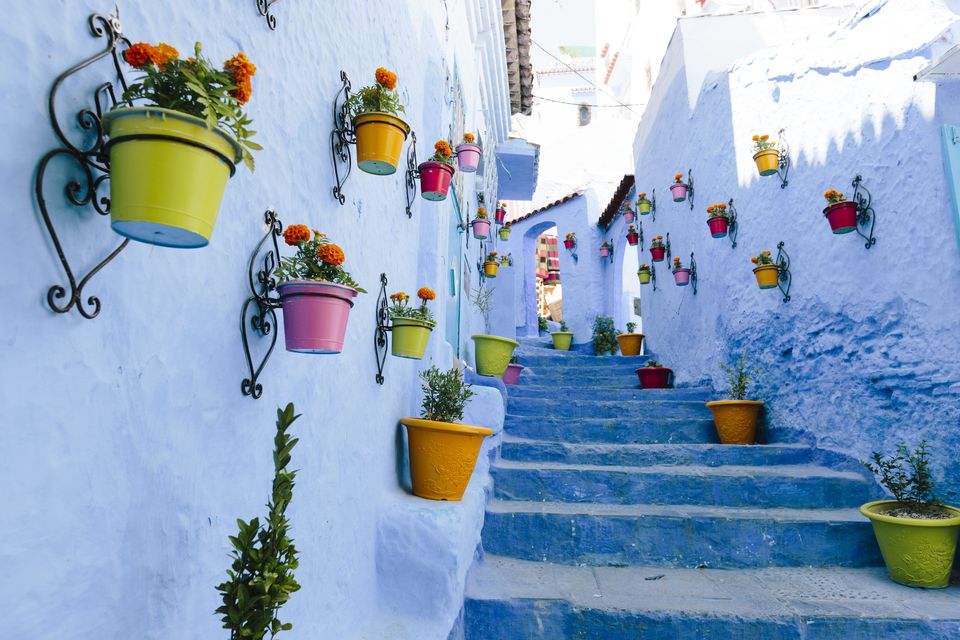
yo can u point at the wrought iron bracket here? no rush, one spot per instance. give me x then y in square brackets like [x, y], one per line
[653, 204]
[382, 327]
[342, 136]
[866, 216]
[609, 255]
[689, 184]
[640, 234]
[783, 161]
[653, 275]
[693, 273]
[573, 250]
[413, 173]
[92, 160]
[733, 224]
[669, 253]
[257, 315]
[784, 275]
[263, 8]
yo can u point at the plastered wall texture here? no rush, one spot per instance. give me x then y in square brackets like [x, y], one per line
[127, 450]
[866, 353]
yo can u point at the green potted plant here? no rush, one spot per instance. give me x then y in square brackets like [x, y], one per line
[260, 578]
[916, 532]
[604, 336]
[442, 451]
[736, 418]
[562, 339]
[375, 113]
[542, 326]
[172, 154]
[410, 325]
[630, 342]
[492, 352]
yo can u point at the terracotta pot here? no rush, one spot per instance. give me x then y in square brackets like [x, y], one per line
[768, 161]
[736, 420]
[468, 157]
[315, 315]
[679, 191]
[442, 456]
[657, 253]
[842, 216]
[512, 374]
[654, 377]
[435, 180]
[767, 276]
[718, 226]
[630, 343]
[633, 239]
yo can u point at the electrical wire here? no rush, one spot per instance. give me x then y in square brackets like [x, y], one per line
[585, 104]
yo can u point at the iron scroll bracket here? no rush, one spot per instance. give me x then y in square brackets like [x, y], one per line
[690, 190]
[413, 173]
[866, 216]
[693, 273]
[653, 204]
[784, 275]
[640, 234]
[263, 8]
[91, 159]
[783, 159]
[669, 252]
[653, 275]
[342, 136]
[258, 315]
[733, 224]
[382, 327]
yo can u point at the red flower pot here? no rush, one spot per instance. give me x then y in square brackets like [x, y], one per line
[842, 216]
[500, 215]
[654, 377]
[633, 239]
[568, 244]
[718, 226]
[435, 180]
[657, 253]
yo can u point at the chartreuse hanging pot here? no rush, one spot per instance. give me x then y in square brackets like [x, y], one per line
[168, 172]
[442, 456]
[562, 340]
[380, 138]
[493, 354]
[736, 420]
[409, 337]
[917, 552]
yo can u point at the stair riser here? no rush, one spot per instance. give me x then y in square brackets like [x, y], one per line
[622, 392]
[626, 431]
[678, 541]
[613, 487]
[571, 377]
[710, 456]
[681, 410]
[578, 361]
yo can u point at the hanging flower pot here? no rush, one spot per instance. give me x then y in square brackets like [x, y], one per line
[630, 342]
[678, 188]
[512, 374]
[505, 232]
[766, 156]
[767, 273]
[570, 241]
[643, 205]
[718, 221]
[500, 215]
[436, 173]
[632, 237]
[410, 326]
[681, 274]
[481, 225]
[657, 249]
[468, 154]
[380, 132]
[628, 214]
[491, 265]
[493, 354]
[605, 250]
[840, 213]
[316, 293]
[643, 274]
[654, 376]
[562, 339]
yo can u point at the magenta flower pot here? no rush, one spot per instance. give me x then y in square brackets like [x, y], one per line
[657, 253]
[654, 377]
[500, 215]
[629, 216]
[679, 192]
[718, 226]
[842, 216]
[512, 374]
[435, 180]
[481, 228]
[604, 252]
[468, 157]
[315, 315]
[681, 277]
[568, 244]
[633, 239]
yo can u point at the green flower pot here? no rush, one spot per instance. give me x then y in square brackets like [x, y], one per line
[562, 340]
[493, 354]
[410, 337]
[918, 553]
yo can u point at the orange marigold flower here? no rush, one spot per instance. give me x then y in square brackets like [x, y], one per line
[138, 55]
[331, 254]
[678, 177]
[764, 253]
[469, 137]
[442, 147]
[722, 207]
[295, 234]
[386, 77]
[755, 137]
[753, 260]
[710, 209]
[642, 195]
[241, 70]
[764, 137]
[399, 296]
[243, 92]
[163, 53]
[426, 293]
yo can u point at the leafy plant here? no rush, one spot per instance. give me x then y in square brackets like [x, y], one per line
[762, 258]
[718, 210]
[653, 363]
[738, 377]
[316, 259]
[514, 359]
[195, 87]
[762, 142]
[445, 395]
[542, 324]
[482, 300]
[642, 197]
[604, 336]
[907, 476]
[563, 327]
[264, 557]
[657, 242]
[833, 196]
[631, 327]
[677, 265]
[442, 153]
[400, 309]
[380, 96]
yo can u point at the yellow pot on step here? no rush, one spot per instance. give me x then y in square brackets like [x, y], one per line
[380, 138]
[768, 161]
[442, 456]
[736, 420]
[630, 343]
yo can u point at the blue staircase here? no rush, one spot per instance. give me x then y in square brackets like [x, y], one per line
[616, 514]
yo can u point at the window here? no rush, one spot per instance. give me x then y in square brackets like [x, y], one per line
[584, 112]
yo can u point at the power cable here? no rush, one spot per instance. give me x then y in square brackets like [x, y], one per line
[585, 104]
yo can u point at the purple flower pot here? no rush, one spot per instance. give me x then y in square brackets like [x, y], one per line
[629, 216]
[468, 157]
[512, 374]
[679, 191]
[481, 228]
[681, 277]
[315, 315]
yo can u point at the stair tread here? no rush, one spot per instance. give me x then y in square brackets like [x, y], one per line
[606, 446]
[785, 470]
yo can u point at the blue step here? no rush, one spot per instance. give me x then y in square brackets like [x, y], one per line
[569, 360]
[521, 449]
[678, 535]
[573, 408]
[793, 486]
[636, 430]
[627, 389]
[515, 600]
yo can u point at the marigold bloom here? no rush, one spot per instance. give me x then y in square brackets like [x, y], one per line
[678, 177]
[163, 53]
[764, 253]
[241, 70]
[399, 296]
[764, 137]
[138, 54]
[387, 78]
[642, 195]
[753, 260]
[442, 147]
[426, 293]
[295, 234]
[756, 137]
[469, 137]
[722, 207]
[710, 209]
[331, 254]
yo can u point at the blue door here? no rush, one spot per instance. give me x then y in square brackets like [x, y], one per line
[453, 267]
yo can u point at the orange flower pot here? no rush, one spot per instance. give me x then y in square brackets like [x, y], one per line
[768, 161]
[490, 269]
[736, 420]
[442, 456]
[767, 275]
[630, 343]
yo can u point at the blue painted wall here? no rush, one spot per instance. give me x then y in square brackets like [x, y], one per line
[126, 449]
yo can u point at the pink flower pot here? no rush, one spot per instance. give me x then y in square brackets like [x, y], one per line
[568, 244]
[468, 157]
[629, 216]
[315, 315]
[842, 216]
[512, 374]
[657, 253]
[679, 191]
[681, 277]
[604, 252]
[435, 180]
[500, 215]
[633, 239]
[481, 228]
[718, 226]
[654, 377]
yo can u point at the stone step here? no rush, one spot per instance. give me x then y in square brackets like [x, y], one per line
[509, 599]
[571, 360]
[792, 486]
[573, 408]
[522, 449]
[620, 389]
[678, 536]
[648, 429]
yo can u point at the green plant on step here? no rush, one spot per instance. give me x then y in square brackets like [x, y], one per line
[514, 359]
[906, 475]
[264, 557]
[653, 364]
[542, 324]
[445, 395]
[738, 377]
[604, 336]
[563, 327]
[631, 327]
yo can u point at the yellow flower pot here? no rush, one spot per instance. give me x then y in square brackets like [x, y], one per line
[630, 343]
[644, 276]
[562, 340]
[767, 275]
[643, 206]
[768, 161]
[736, 420]
[409, 337]
[380, 138]
[163, 191]
[490, 269]
[442, 456]
[493, 354]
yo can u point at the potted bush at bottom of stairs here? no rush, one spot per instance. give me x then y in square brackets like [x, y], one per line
[260, 578]
[630, 342]
[654, 376]
[604, 336]
[493, 354]
[562, 339]
[736, 418]
[316, 292]
[410, 326]
[443, 452]
[916, 532]
[512, 374]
